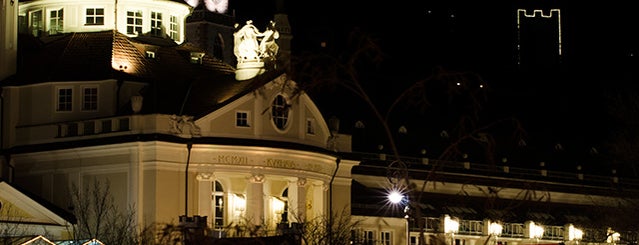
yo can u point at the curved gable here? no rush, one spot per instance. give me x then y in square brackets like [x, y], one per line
[278, 110]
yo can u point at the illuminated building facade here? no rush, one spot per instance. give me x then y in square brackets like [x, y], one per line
[111, 91]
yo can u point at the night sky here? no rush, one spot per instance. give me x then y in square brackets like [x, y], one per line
[569, 106]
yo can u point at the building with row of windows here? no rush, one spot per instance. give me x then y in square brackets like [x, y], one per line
[145, 96]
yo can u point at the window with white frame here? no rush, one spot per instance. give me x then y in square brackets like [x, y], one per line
[242, 119]
[386, 238]
[94, 17]
[90, 98]
[218, 205]
[174, 28]
[56, 21]
[310, 125]
[64, 99]
[156, 24]
[134, 22]
[36, 23]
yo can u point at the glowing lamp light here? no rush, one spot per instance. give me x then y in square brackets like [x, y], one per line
[395, 197]
[574, 233]
[495, 228]
[535, 231]
[239, 203]
[450, 225]
[613, 238]
[278, 205]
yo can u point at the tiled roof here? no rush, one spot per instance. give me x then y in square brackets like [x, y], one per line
[175, 85]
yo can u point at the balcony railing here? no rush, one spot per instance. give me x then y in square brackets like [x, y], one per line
[93, 128]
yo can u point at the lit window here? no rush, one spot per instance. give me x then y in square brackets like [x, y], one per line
[310, 126]
[242, 119]
[90, 99]
[95, 16]
[133, 22]
[56, 21]
[218, 204]
[65, 99]
[156, 24]
[279, 111]
[174, 28]
[36, 25]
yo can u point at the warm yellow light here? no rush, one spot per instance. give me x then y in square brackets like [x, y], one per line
[495, 229]
[535, 231]
[278, 205]
[239, 203]
[613, 238]
[574, 233]
[450, 225]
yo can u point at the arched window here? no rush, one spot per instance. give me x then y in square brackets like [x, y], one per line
[218, 205]
[279, 111]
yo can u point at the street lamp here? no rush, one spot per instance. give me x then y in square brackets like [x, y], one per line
[395, 197]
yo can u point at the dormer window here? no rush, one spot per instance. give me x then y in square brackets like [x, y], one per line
[150, 54]
[196, 57]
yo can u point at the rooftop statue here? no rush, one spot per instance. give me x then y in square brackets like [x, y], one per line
[218, 6]
[253, 45]
[253, 48]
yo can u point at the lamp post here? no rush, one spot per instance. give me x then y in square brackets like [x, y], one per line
[395, 197]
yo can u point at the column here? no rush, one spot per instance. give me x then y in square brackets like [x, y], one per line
[204, 195]
[320, 201]
[255, 199]
[297, 200]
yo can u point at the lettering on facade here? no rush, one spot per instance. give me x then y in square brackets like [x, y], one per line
[271, 162]
[280, 163]
[231, 159]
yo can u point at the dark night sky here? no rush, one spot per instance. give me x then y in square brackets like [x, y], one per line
[599, 42]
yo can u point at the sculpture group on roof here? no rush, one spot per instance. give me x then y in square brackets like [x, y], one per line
[251, 45]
